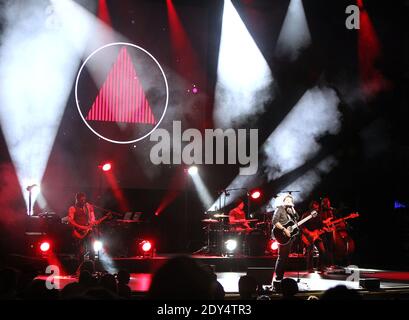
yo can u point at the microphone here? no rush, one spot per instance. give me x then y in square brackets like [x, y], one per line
[29, 188]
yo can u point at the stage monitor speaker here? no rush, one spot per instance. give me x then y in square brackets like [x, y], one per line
[370, 284]
[263, 275]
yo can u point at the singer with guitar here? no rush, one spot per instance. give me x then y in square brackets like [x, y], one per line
[282, 216]
[81, 216]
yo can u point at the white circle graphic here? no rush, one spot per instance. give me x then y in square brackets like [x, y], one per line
[77, 101]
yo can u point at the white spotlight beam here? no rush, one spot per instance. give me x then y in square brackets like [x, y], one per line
[86, 33]
[244, 79]
[295, 34]
[307, 182]
[41, 52]
[294, 141]
[36, 74]
[202, 190]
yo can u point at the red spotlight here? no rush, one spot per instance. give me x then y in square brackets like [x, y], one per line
[45, 246]
[106, 167]
[273, 245]
[255, 194]
[146, 246]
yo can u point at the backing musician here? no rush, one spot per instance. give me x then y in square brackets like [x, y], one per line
[327, 213]
[82, 217]
[311, 237]
[237, 218]
[282, 215]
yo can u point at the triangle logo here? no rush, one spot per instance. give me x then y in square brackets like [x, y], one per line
[121, 97]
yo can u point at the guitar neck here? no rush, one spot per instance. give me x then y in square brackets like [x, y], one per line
[302, 221]
[342, 219]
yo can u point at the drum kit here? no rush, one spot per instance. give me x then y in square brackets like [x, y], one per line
[250, 241]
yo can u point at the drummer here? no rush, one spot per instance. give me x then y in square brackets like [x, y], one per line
[237, 218]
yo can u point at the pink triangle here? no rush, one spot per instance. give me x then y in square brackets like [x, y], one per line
[121, 97]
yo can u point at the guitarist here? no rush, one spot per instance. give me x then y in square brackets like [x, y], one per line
[327, 213]
[282, 215]
[314, 225]
[81, 216]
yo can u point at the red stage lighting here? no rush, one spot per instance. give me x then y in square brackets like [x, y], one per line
[255, 194]
[106, 167]
[45, 246]
[146, 246]
[273, 245]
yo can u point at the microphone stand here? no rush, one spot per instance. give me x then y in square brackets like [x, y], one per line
[298, 238]
[294, 215]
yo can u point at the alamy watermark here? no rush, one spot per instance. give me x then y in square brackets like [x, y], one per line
[354, 273]
[242, 147]
[352, 21]
[53, 280]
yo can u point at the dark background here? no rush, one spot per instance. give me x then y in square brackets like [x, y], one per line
[372, 148]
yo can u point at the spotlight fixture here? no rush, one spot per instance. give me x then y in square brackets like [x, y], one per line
[45, 246]
[273, 245]
[106, 166]
[97, 245]
[256, 194]
[231, 245]
[145, 248]
[192, 170]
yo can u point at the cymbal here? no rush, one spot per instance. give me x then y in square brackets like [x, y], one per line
[210, 221]
[221, 216]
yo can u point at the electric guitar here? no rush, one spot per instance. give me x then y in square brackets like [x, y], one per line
[293, 227]
[82, 233]
[309, 237]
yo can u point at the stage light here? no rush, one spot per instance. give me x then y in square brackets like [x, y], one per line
[244, 79]
[146, 246]
[45, 246]
[192, 170]
[195, 90]
[295, 34]
[97, 245]
[201, 188]
[106, 167]
[256, 194]
[33, 62]
[231, 245]
[274, 245]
